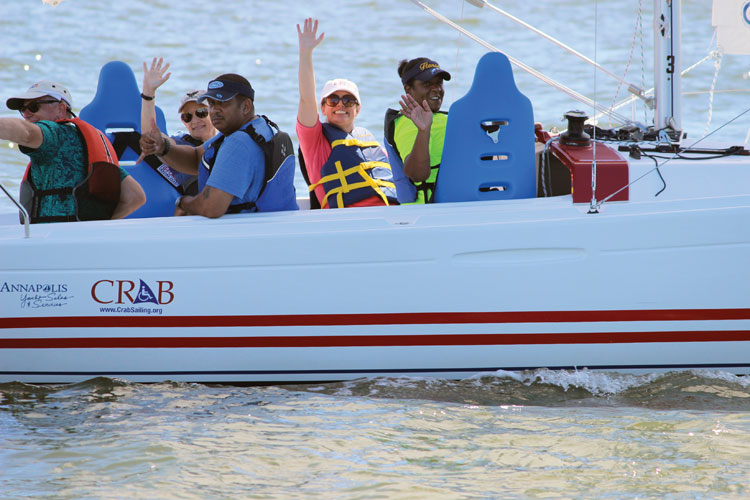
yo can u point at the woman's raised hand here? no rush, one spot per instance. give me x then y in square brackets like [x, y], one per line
[308, 35]
[154, 76]
[421, 115]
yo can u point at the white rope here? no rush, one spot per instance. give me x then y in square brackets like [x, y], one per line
[544, 78]
[717, 66]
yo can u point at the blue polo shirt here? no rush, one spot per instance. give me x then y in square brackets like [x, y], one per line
[240, 165]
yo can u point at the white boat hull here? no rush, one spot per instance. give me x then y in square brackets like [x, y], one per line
[446, 290]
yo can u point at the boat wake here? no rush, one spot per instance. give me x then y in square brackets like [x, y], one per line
[678, 390]
[692, 389]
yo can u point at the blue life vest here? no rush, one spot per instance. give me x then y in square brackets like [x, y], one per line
[278, 193]
[356, 170]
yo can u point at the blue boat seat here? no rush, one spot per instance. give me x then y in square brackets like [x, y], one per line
[489, 139]
[116, 110]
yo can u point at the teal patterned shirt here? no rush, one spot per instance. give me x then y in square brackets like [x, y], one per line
[59, 162]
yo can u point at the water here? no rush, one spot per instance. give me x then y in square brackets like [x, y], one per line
[533, 435]
[364, 41]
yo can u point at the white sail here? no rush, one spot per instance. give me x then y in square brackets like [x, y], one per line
[731, 18]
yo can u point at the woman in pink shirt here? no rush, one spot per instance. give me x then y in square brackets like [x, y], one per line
[345, 165]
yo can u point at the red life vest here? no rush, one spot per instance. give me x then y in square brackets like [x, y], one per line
[101, 185]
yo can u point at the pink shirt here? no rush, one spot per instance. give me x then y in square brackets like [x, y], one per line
[316, 149]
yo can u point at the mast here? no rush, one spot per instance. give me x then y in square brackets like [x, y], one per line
[668, 66]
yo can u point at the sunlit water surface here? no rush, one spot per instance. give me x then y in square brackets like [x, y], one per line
[533, 435]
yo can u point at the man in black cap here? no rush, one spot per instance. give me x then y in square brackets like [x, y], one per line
[73, 173]
[419, 130]
[231, 166]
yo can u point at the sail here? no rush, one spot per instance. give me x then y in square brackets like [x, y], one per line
[731, 18]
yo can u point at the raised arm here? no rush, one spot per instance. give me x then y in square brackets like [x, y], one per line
[153, 78]
[307, 114]
[417, 163]
[21, 132]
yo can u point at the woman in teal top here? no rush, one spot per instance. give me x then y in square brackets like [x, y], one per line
[419, 132]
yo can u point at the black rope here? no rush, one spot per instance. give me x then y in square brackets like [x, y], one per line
[656, 166]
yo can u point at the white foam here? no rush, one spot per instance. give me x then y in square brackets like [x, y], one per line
[595, 382]
[724, 376]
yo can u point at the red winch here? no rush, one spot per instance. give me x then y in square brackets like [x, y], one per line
[576, 151]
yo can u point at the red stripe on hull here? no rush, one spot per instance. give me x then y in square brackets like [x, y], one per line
[377, 340]
[429, 318]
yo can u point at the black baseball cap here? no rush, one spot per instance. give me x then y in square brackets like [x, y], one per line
[424, 70]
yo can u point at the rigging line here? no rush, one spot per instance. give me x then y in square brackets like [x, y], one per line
[630, 60]
[458, 50]
[719, 91]
[632, 98]
[594, 206]
[541, 76]
[675, 155]
[556, 42]
[643, 62]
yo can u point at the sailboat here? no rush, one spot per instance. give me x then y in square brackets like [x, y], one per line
[571, 252]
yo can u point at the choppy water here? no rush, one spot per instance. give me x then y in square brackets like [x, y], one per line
[532, 435]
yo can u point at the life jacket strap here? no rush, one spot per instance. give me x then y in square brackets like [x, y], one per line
[238, 208]
[56, 218]
[355, 142]
[346, 187]
[427, 188]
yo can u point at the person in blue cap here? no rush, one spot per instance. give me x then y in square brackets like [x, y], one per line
[231, 166]
[419, 129]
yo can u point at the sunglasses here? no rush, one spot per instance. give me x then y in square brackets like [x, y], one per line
[34, 106]
[199, 113]
[348, 100]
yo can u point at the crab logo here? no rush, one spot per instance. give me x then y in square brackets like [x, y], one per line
[145, 295]
[122, 291]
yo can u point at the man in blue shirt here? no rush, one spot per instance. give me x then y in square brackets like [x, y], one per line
[230, 166]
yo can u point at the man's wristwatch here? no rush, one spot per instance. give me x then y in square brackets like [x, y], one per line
[178, 201]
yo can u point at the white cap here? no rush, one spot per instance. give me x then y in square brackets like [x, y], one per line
[41, 89]
[332, 86]
[191, 96]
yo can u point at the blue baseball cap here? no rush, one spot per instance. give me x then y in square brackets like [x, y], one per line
[223, 89]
